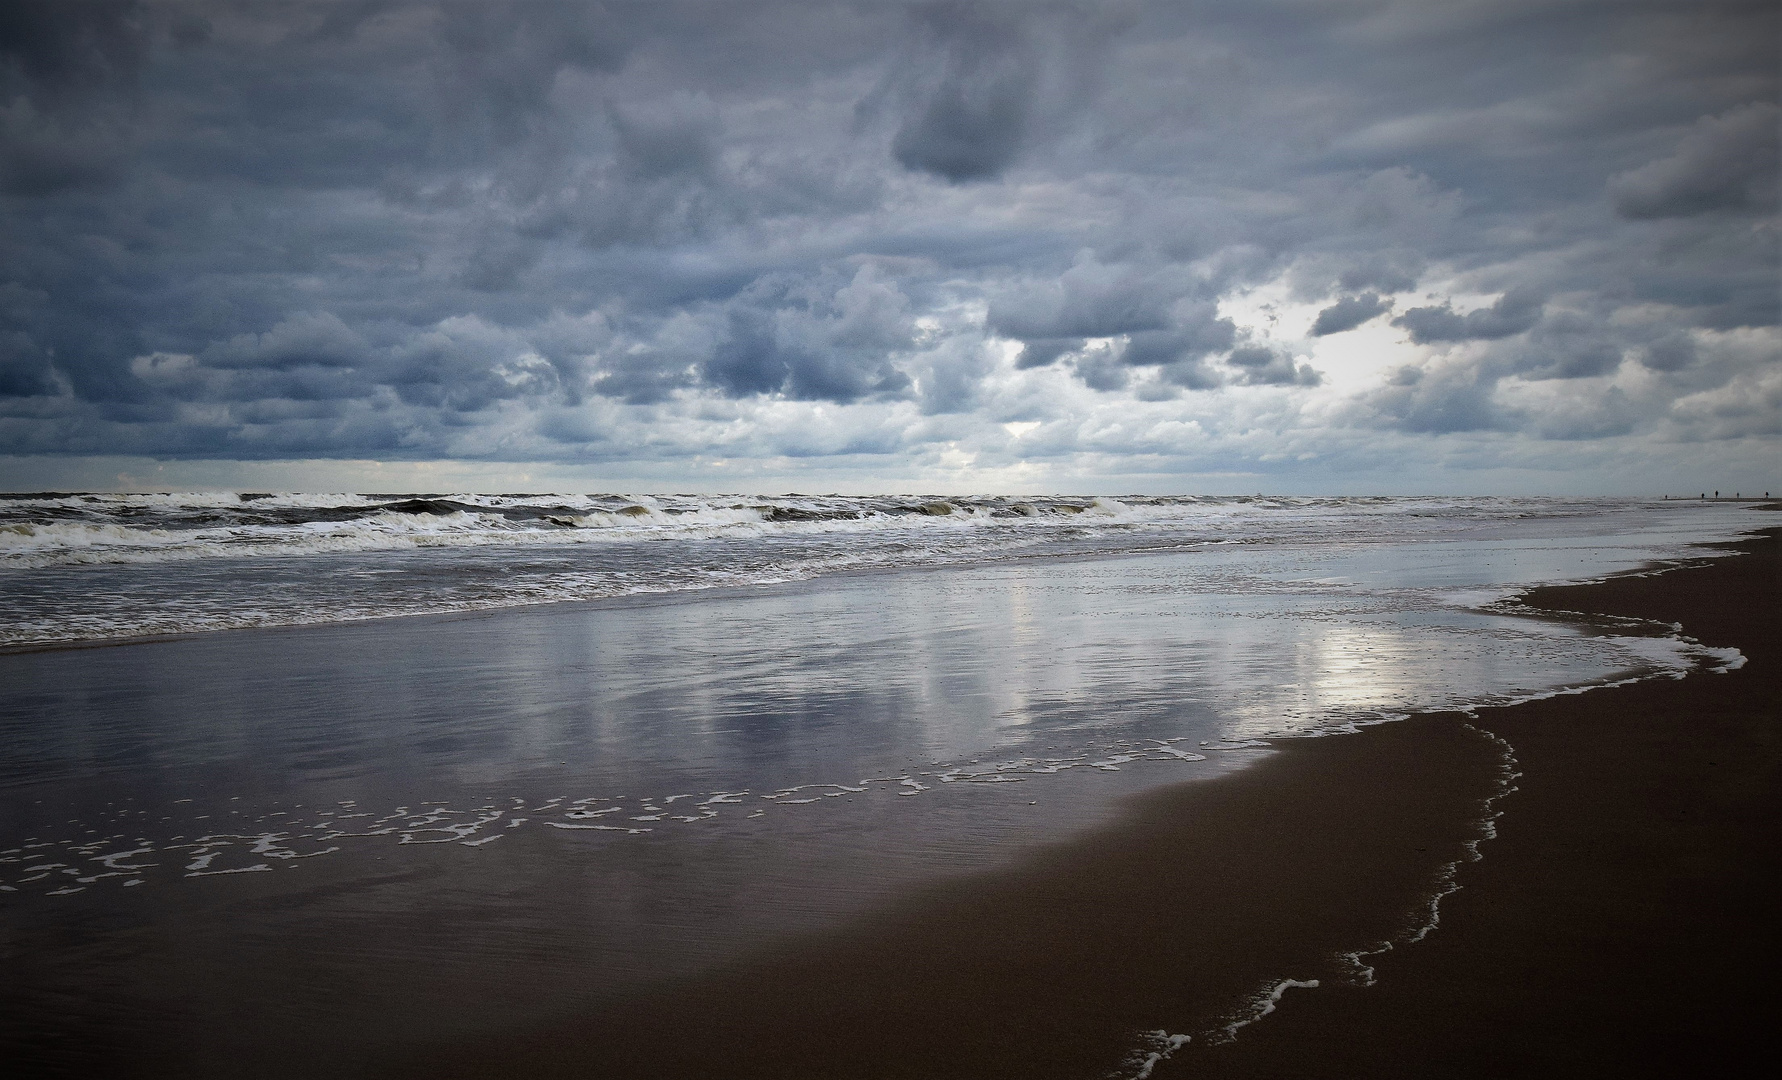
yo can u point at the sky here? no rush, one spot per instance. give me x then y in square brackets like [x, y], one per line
[1294, 246]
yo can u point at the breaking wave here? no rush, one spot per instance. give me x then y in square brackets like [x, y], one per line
[59, 528]
[83, 566]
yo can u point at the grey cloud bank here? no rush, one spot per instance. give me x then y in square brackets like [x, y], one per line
[1137, 246]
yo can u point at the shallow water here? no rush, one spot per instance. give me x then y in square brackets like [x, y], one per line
[477, 819]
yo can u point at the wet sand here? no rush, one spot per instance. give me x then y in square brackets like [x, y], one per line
[1624, 923]
[1619, 924]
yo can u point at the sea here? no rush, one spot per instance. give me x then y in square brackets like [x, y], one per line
[608, 740]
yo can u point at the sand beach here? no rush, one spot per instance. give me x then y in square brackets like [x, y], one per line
[1001, 818]
[1619, 922]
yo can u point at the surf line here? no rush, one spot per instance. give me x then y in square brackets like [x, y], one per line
[1160, 1045]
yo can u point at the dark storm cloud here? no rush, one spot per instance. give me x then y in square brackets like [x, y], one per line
[1040, 351]
[978, 83]
[1262, 366]
[1100, 369]
[1088, 300]
[1724, 163]
[676, 137]
[1515, 312]
[1673, 352]
[1348, 313]
[60, 51]
[749, 360]
[305, 339]
[970, 124]
[1568, 346]
[1440, 401]
[1155, 312]
[1198, 334]
[68, 74]
[813, 340]
[499, 229]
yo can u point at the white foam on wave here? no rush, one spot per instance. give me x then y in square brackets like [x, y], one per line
[149, 528]
[184, 533]
[728, 541]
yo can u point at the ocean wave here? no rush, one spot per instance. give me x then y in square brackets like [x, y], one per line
[55, 529]
[130, 532]
[80, 567]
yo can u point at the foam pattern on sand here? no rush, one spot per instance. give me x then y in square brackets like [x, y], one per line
[1446, 881]
[134, 846]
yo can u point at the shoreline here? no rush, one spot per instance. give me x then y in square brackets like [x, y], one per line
[1084, 934]
[1622, 921]
[1243, 887]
